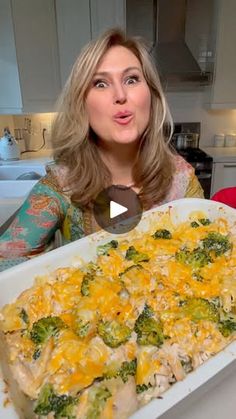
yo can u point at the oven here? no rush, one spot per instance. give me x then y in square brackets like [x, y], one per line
[190, 151]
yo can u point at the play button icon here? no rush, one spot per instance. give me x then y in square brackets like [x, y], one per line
[117, 209]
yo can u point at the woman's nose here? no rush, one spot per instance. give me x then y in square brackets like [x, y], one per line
[119, 94]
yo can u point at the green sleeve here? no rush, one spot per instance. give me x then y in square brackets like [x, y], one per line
[35, 224]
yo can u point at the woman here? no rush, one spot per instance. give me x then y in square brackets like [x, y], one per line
[111, 128]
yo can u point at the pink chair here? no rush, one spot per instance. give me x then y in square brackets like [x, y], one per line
[226, 196]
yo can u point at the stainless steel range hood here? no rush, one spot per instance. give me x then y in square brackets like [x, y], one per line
[177, 66]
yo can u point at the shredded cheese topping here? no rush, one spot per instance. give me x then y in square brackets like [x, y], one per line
[162, 302]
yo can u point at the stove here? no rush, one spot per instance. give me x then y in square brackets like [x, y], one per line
[200, 160]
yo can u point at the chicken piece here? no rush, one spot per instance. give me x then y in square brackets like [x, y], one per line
[30, 376]
[162, 379]
[82, 405]
[25, 379]
[125, 400]
[124, 397]
[200, 358]
[171, 353]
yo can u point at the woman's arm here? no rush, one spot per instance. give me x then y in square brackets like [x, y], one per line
[36, 222]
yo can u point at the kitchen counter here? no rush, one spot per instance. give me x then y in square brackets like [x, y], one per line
[221, 154]
[41, 157]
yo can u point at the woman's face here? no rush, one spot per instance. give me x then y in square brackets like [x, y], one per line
[119, 100]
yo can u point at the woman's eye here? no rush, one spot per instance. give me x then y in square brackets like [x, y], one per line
[132, 80]
[100, 84]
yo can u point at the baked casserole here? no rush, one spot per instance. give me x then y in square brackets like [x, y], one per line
[102, 340]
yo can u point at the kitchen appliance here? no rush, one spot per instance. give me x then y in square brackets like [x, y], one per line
[9, 148]
[185, 140]
[178, 58]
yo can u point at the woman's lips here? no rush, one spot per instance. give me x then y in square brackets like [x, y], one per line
[123, 118]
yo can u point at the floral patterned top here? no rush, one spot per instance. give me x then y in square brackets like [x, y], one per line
[48, 209]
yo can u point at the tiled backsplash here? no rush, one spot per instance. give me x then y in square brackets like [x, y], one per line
[28, 129]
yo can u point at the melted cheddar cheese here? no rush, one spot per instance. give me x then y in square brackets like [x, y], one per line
[191, 300]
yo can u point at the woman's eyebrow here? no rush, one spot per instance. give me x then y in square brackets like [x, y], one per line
[126, 70]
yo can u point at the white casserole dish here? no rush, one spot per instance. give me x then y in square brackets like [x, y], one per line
[217, 377]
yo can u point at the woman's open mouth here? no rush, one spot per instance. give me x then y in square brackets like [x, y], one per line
[123, 118]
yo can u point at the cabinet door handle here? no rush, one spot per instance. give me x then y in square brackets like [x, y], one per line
[230, 165]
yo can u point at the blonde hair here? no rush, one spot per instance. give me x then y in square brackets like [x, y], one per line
[72, 139]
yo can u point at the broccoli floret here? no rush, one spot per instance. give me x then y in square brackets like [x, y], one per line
[199, 258]
[111, 372]
[147, 311]
[135, 256]
[97, 399]
[200, 309]
[91, 271]
[196, 259]
[82, 328]
[113, 333]
[149, 331]
[127, 368]
[44, 402]
[46, 327]
[216, 302]
[140, 388]
[24, 316]
[49, 401]
[130, 268]
[87, 278]
[216, 243]
[104, 249]
[204, 221]
[162, 233]
[194, 224]
[92, 267]
[227, 327]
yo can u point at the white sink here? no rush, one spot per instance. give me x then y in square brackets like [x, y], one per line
[12, 195]
[13, 192]
[8, 206]
[14, 171]
[16, 188]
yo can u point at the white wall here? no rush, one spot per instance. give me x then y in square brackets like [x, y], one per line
[188, 107]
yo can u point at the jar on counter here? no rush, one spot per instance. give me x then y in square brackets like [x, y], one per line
[219, 140]
[230, 140]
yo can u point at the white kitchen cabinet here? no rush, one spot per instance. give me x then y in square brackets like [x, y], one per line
[29, 37]
[10, 96]
[37, 53]
[223, 176]
[222, 93]
[80, 21]
[106, 14]
[74, 31]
